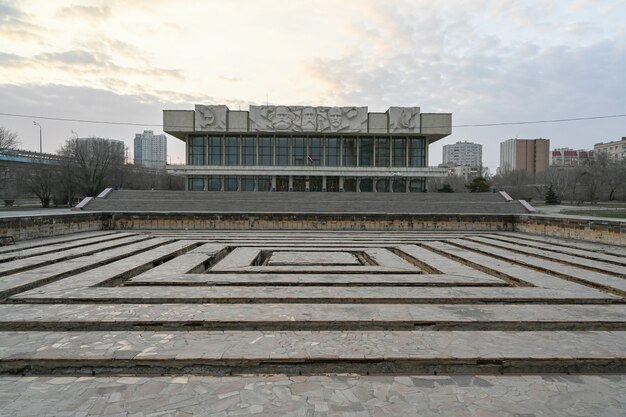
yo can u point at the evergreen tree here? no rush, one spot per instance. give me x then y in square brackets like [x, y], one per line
[478, 185]
[551, 197]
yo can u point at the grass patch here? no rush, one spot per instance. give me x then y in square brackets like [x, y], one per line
[620, 214]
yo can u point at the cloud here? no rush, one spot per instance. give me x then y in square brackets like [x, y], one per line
[84, 12]
[14, 23]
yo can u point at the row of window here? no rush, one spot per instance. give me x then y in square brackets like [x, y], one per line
[306, 151]
[302, 183]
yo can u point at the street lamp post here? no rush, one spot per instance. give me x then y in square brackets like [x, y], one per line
[40, 147]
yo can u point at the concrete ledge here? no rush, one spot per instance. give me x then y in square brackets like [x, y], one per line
[590, 229]
[105, 193]
[611, 231]
[82, 204]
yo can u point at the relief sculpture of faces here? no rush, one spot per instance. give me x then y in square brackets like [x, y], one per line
[335, 118]
[309, 119]
[281, 118]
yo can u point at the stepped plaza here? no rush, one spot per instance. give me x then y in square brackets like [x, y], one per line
[302, 304]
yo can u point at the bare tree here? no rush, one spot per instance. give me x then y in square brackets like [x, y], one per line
[97, 163]
[8, 138]
[40, 180]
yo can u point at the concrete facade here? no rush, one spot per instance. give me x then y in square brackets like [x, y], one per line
[567, 157]
[305, 148]
[616, 149]
[530, 155]
[150, 150]
[463, 154]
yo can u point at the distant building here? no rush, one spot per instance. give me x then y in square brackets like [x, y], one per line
[463, 154]
[616, 149]
[464, 171]
[150, 150]
[567, 157]
[530, 155]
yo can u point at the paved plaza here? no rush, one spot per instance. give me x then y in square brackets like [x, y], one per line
[309, 323]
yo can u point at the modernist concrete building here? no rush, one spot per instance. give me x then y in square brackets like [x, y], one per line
[304, 148]
[616, 149]
[463, 154]
[150, 150]
[530, 155]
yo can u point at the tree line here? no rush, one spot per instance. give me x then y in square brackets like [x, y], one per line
[598, 179]
[85, 168]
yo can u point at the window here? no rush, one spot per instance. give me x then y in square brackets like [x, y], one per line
[366, 185]
[282, 151]
[316, 150]
[349, 152]
[215, 150]
[382, 185]
[249, 151]
[266, 151]
[399, 185]
[349, 184]
[417, 154]
[265, 183]
[214, 183]
[417, 185]
[366, 152]
[382, 152]
[196, 150]
[232, 150]
[231, 183]
[399, 152]
[196, 183]
[299, 151]
[248, 183]
[332, 152]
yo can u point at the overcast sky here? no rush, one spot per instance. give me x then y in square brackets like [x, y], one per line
[484, 61]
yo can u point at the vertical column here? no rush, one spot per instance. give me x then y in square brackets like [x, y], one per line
[324, 183]
[273, 188]
[340, 183]
[290, 183]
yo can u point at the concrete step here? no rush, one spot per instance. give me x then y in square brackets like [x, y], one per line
[306, 352]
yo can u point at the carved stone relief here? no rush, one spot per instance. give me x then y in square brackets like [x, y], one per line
[211, 118]
[404, 119]
[308, 119]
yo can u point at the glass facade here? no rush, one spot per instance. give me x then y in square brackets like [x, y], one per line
[196, 150]
[306, 150]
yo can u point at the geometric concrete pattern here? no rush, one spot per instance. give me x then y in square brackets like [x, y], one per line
[456, 310]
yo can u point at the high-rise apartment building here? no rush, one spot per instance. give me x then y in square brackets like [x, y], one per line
[530, 155]
[463, 154]
[616, 149]
[567, 157]
[150, 150]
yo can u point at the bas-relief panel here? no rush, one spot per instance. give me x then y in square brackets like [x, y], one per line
[308, 119]
[211, 118]
[404, 119]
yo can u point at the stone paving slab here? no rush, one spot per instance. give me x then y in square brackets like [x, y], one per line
[310, 316]
[514, 272]
[544, 253]
[314, 352]
[616, 284]
[569, 243]
[552, 247]
[312, 258]
[314, 294]
[54, 247]
[35, 243]
[23, 281]
[273, 279]
[320, 396]
[34, 261]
